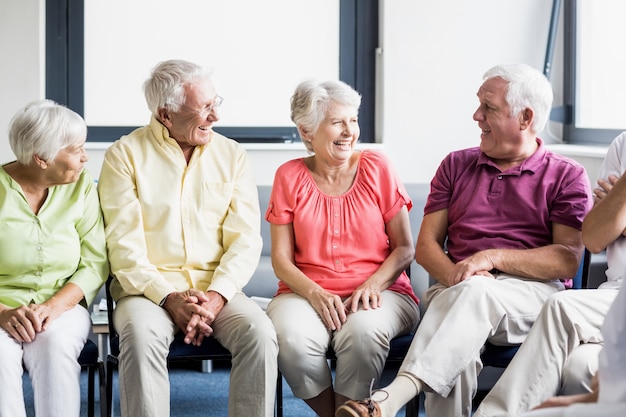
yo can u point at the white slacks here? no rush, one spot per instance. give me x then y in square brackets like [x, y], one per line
[146, 332]
[52, 364]
[361, 346]
[445, 353]
[581, 410]
[563, 345]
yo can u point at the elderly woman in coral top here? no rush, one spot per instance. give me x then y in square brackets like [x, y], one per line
[341, 241]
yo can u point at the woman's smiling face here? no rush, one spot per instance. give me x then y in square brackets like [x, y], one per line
[338, 133]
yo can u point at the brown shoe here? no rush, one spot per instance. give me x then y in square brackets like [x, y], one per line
[363, 408]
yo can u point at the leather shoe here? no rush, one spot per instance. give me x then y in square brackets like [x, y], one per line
[363, 408]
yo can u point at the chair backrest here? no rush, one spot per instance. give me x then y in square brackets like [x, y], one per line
[581, 279]
[110, 307]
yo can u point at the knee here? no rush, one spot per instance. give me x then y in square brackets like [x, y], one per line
[260, 333]
[579, 369]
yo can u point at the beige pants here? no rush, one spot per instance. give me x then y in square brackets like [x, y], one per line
[445, 353]
[562, 346]
[361, 346]
[146, 331]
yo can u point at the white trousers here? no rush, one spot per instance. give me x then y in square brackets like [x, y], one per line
[561, 347]
[361, 346]
[52, 364]
[146, 332]
[445, 353]
[581, 410]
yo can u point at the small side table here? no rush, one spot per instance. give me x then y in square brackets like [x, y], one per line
[100, 327]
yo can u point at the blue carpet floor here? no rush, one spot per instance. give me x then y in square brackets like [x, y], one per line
[190, 399]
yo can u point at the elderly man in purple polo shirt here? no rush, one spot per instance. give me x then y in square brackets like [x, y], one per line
[501, 233]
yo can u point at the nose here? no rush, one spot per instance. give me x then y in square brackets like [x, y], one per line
[213, 115]
[478, 115]
[84, 157]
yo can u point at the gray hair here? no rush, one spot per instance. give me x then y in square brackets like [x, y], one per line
[43, 128]
[165, 87]
[311, 100]
[527, 88]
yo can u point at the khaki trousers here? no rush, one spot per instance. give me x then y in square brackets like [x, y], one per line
[361, 346]
[445, 353]
[548, 361]
[146, 332]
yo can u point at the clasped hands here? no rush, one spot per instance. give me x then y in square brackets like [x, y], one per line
[24, 322]
[194, 311]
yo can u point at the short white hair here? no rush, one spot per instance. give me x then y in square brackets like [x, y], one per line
[527, 88]
[43, 128]
[166, 86]
[311, 100]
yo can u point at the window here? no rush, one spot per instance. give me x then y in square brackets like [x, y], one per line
[98, 54]
[594, 63]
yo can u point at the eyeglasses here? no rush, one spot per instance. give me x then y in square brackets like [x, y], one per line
[205, 111]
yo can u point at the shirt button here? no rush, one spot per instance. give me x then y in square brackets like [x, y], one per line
[499, 177]
[336, 262]
[336, 231]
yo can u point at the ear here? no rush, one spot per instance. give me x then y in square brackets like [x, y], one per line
[526, 118]
[304, 133]
[164, 117]
[40, 162]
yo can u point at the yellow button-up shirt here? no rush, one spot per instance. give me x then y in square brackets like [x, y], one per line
[64, 242]
[171, 226]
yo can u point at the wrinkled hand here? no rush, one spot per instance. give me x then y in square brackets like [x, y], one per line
[194, 331]
[182, 307]
[23, 322]
[330, 308]
[603, 189]
[478, 264]
[367, 294]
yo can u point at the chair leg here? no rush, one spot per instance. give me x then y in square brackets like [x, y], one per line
[109, 389]
[103, 394]
[91, 390]
[279, 395]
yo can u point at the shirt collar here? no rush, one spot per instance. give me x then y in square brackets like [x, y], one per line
[530, 164]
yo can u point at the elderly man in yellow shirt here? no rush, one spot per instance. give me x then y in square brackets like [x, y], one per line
[182, 225]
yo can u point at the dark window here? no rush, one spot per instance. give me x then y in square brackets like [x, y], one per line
[358, 43]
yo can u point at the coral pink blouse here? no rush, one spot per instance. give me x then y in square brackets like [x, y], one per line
[340, 240]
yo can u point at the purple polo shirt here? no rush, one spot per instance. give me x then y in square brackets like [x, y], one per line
[515, 209]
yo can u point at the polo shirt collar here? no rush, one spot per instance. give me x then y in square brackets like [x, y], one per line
[531, 164]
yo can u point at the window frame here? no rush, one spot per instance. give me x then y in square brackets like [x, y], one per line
[567, 114]
[358, 43]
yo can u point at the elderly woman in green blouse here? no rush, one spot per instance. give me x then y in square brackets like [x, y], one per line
[52, 259]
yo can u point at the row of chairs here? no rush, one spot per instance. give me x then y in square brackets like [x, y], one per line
[494, 356]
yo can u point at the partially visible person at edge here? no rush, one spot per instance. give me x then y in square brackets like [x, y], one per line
[52, 259]
[608, 396]
[182, 224]
[560, 354]
[500, 234]
[341, 241]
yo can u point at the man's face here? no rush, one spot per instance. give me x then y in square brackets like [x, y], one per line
[502, 136]
[191, 124]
